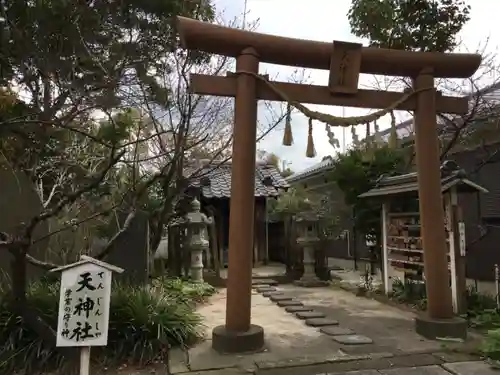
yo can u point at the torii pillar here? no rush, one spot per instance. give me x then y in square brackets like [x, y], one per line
[250, 48]
[238, 334]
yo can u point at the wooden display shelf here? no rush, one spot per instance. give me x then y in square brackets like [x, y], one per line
[403, 242]
[409, 238]
[390, 248]
[407, 262]
[391, 215]
[404, 254]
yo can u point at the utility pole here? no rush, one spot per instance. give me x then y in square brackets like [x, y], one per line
[343, 132]
[245, 2]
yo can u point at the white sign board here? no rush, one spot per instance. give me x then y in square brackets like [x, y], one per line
[84, 303]
[461, 238]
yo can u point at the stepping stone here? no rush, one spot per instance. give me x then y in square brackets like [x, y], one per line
[262, 289]
[336, 331]
[353, 339]
[294, 309]
[261, 286]
[289, 303]
[256, 282]
[321, 322]
[309, 314]
[264, 282]
[276, 298]
[275, 293]
[471, 367]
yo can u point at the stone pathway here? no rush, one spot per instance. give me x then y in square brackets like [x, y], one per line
[311, 317]
[380, 368]
[312, 331]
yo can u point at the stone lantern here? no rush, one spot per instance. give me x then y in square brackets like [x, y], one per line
[196, 223]
[308, 240]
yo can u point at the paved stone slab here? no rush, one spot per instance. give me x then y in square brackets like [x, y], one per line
[412, 360]
[359, 372]
[374, 350]
[289, 303]
[364, 362]
[336, 331]
[294, 309]
[262, 289]
[470, 368]
[453, 357]
[321, 322]
[276, 298]
[353, 339]
[309, 314]
[275, 293]
[264, 282]
[177, 361]
[302, 364]
[421, 370]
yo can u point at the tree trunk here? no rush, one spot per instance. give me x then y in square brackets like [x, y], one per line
[29, 313]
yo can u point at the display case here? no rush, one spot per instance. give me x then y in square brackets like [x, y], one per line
[402, 243]
[405, 251]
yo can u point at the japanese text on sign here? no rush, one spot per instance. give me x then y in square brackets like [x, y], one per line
[84, 306]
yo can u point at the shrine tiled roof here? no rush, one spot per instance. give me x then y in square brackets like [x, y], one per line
[214, 180]
[324, 165]
[407, 183]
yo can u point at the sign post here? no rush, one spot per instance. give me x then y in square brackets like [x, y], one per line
[84, 306]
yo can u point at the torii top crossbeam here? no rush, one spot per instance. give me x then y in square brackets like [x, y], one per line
[210, 38]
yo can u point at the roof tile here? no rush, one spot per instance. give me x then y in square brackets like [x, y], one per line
[220, 180]
[324, 165]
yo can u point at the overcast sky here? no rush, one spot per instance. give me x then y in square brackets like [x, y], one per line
[326, 20]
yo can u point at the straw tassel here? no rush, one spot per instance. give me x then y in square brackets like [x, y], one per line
[310, 152]
[368, 154]
[376, 136]
[393, 138]
[288, 136]
[355, 139]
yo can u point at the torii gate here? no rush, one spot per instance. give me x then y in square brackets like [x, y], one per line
[345, 61]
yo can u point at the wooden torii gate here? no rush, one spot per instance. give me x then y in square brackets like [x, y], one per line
[345, 61]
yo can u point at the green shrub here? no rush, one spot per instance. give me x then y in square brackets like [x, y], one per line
[491, 345]
[22, 348]
[477, 302]
[143, 323]
[186, 291]
[410, 292]
[481, 307]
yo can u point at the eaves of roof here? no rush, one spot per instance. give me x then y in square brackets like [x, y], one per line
[406, 184]
[325, 165]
